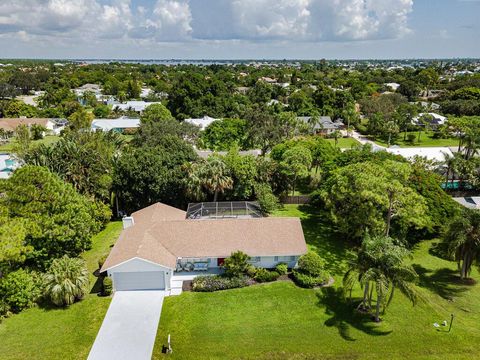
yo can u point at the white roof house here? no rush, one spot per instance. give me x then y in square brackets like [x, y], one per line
[137, 106]
[393, 86]
[471, 202]
[202, 122]
[430, 153]
[437, 119]
[119, 124]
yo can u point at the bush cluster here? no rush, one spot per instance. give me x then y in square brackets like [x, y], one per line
[19, 290]
[107, 286]
[213, 283]
[264, 275]
[282, 269]
[310, 272]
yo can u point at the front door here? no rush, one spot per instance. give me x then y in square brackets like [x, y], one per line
[220, 261]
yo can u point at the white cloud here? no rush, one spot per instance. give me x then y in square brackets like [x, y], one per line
[186, 20]
[272, 19]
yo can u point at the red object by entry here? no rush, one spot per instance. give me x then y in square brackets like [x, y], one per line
[220, 261]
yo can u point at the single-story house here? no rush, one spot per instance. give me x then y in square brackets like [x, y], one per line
[322, 124]
[159, 241]
[435, 119]
[11, 124]
[430, 153]
[202, 122]
[118, 125]
[428, 105]
[137, 106]
[471, 202]
[7, 165]
[392, 86]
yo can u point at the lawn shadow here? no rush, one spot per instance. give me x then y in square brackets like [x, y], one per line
[344, 315]
[444, 282]
[319, 234]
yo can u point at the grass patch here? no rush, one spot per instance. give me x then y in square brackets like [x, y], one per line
[47, 140]
[40, 333]
[344, 143]
[426, 140]
[281, 321]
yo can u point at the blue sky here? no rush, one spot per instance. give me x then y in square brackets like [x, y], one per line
[232, 29]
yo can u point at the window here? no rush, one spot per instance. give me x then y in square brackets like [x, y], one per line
[254, 259]
[285, 258]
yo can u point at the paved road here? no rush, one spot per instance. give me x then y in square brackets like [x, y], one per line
[362, 139]
[130, 326]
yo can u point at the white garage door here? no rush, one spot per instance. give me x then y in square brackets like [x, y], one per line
[146, 280]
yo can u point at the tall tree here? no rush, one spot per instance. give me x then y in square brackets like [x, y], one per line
[462, 240]
[381, 265]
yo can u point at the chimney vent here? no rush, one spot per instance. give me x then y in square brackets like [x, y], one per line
[128, 221]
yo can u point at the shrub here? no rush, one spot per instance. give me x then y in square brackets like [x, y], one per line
[308, 281]
[266, 199]
[282, 268]
[264, 275]
[66, 281]
[107, 286]
[311, 264]
[101, 261]
[411, 138]
[236, 265]
[214, 283]
[19, 290]
[251, 270]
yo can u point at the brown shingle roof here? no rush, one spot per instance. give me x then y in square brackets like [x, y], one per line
[11, 124]
[161, 239]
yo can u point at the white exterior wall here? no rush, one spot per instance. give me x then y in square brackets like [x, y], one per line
[268, 262]
[140, 265]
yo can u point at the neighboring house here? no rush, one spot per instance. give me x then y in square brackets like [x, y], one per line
[7, 165]
[431, 94]
[322, 125]
[202, 122]
[242, 90]
[118, 125]
[435, 121]
[275, 102]
[11, 124]
[160, 241]
[427, 105]
[137, 106]
[145, 92]
[430, 153]
[471, 202]
[392, 86]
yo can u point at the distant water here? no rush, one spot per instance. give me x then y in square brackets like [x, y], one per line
[165, 62]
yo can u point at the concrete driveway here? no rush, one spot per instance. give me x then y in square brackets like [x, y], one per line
[130, 325]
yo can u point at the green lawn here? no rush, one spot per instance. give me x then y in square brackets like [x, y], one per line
[344, 143]
[276, 320]
[47, 140]
[426, 139]
[41, 333]
[280, 320]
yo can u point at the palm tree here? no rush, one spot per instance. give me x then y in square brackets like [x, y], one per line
[66, 281]
[211, 175]
[462, 240]
[380, 265]
[216, 178]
